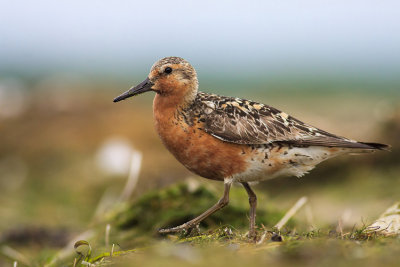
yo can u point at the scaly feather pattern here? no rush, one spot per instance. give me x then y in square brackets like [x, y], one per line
[247, 122]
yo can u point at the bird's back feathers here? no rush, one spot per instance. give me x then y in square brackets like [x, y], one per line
[242, 121]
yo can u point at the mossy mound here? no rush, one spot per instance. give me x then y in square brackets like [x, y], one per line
[181, 202]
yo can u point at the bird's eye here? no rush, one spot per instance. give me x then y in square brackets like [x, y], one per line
[168, 70]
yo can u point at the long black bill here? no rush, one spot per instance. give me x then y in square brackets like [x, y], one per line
[142, 87]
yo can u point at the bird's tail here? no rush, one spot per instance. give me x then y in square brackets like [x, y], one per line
[367, 148]
[376, 146]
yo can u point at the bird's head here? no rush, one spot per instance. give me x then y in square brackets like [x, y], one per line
[170, 76]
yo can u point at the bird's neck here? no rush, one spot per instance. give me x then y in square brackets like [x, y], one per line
[169, 112]
[174, 101]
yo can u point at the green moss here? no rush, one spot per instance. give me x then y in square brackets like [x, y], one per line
[177, 204]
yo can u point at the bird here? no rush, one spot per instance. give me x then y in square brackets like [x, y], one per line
[230, 139]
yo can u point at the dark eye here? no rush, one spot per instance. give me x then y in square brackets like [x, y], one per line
[168, 70]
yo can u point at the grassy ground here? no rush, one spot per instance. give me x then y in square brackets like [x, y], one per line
[126, 235]
[53, 192]
[230, 248]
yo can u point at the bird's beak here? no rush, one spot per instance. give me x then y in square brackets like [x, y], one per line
[142, 87]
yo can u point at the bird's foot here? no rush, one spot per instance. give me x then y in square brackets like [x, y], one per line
[181, 228]
[252, 235]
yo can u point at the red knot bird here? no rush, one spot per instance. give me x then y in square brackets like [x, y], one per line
[231, 139]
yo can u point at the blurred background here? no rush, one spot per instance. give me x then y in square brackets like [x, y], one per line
[64, 144]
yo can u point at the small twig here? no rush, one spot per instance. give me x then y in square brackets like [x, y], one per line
[112, 250]
[263, 236]
[133, 177]
[107, 234]
[291, 212]
[378, 228]
[285, 218]
[340, 227]
[14, 254]
[15, 264]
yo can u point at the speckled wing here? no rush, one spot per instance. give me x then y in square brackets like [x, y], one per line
[246, 122]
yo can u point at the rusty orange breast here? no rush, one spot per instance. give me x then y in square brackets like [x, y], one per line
[198, 151]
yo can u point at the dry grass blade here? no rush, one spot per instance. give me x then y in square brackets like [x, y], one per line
[293, 210]
[107, 234]
[15, 255]
[133, 177]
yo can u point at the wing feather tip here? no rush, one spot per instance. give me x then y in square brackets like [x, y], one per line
[376, 146]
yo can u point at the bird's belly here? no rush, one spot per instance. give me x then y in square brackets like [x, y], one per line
[202, 153]
[272, 161]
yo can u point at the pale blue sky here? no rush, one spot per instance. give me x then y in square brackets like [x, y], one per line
[259, 37]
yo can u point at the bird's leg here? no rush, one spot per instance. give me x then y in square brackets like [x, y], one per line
[253, 205]
[219, 205]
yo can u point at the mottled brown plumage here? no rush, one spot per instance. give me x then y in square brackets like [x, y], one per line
[232, 139]
[247, 122]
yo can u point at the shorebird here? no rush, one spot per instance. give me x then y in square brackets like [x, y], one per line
[231, 139]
